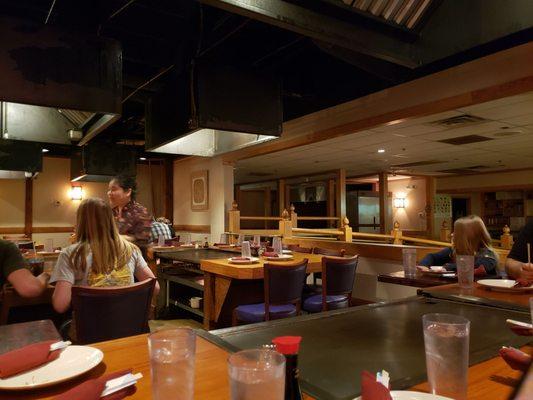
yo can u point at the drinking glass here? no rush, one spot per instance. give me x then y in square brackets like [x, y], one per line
[161, 240]
[446, 340]
[409, 262]
[245, 249]
[240, 239]
[186, 238]
[49, 245]
[223, 238]
[257, 374]
[465, 271]
[257, 239]
[172, 354]
[276, 244]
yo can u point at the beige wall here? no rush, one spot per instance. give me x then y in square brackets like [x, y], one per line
[52, 206]
[513, 178]
[220, 195]
[413, 216]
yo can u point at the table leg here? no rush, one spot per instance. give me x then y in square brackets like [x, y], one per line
[209, 299]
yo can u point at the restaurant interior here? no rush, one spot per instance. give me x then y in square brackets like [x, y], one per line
[266, 199]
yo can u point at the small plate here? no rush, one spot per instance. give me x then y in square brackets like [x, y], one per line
[503, 285]
[409, 395]
[235, 260]
[283, 257]
[72, 362]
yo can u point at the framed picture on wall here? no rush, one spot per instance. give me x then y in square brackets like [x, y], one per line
[199, 190]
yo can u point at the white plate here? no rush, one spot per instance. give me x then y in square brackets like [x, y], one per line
[287, 251]
[237, 261]
[72, 362]
[503, 285]
[408, 395]
[283, 257]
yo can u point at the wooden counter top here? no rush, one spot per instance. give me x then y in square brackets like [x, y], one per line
[255, 271]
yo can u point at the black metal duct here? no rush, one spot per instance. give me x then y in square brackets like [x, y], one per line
[98, 162]
[19, 160]
[217, 107]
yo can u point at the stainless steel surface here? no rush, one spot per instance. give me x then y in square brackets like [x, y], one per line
[338, 345]
[14, 336]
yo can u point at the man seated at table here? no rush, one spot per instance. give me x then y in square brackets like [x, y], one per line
[14, 269]
[517, 265]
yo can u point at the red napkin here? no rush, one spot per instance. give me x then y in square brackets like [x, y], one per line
[515, 358]
[521, 331]
[270, 254]
[26, 358]
[93, 388]
[480, 272]
[371, 389]
[521, 282]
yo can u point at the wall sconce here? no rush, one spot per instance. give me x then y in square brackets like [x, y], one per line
[399, 202]
[76, 193]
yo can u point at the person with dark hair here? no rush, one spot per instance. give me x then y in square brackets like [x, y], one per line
[132, 219]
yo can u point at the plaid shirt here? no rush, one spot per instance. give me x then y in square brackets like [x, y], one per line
[160, 228]
[134, 221]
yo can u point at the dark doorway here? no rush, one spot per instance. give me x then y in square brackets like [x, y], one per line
[460, 208]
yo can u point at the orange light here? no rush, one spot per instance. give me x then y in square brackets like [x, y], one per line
[76, 193]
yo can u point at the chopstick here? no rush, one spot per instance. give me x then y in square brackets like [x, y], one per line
[528, 253]
[114, 385]
[59, 345]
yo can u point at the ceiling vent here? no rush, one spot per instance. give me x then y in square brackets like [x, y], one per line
[99, 162]
[460, 140]
[458, 121]
[20, 159]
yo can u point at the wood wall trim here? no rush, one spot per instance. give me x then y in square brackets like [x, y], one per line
[37, 229]
[193, 228]
[503, 74]
[11, 230]
[383, 204]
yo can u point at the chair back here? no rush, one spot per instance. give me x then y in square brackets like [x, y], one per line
[338, 276]
[297, 249]
[328, 252]
[284, 284]
[105, 313]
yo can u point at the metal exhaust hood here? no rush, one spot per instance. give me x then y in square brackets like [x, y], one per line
[19, 160]
[99, 162]
[214, 110]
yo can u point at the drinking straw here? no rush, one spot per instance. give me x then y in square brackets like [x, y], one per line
[528, 253]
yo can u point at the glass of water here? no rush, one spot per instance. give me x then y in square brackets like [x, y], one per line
[409, 262]
[246, 250]
[257, 374]
[531, 308]
[446, 340]
[172, 354]
[465, 271]
[276, 244]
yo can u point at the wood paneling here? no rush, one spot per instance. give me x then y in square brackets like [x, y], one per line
[383, 204]
[12, 230]
[340, 193]
[28, 207]
[193, 228]
[38, 229]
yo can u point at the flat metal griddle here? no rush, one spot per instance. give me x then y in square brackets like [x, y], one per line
[338, 345]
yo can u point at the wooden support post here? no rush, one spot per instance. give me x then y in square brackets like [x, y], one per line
[168, 189]
[383, 203]
[431, 190]
[397, 233]
[347, 230]
[281, 196]
[340, 194]
[445, 232]
[293, 217]
[285, 225]
[331, 203]
[506, 238]
[28, 209]
[234, 218]
[268, 206]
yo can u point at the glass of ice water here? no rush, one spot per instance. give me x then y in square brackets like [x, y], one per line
[276, 244]
[409, 262]
[465, 271]
[446, 340]
[172, 354]
[257, 374]
[246, 250]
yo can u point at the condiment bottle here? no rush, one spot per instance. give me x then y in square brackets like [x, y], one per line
[289, 346]
[206, 243]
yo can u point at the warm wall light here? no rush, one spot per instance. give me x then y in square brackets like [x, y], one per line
[399, 202]
[76, 193]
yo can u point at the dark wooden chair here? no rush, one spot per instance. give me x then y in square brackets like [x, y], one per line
[283, 285]
[338, 276]
[111, 312]
[318, 275]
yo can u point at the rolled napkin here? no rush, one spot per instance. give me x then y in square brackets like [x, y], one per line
[372, 389]
[521, 282]
[26, 358]
[520, 328]
[515, 358]
[93, 388]
[480, 271]
[270, 254]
